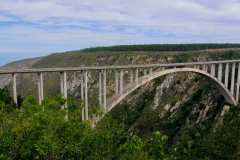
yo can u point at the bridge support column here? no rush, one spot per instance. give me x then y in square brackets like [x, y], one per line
[213, 70]
[86, 95]
[196, 66]
[226, 75]
[204, 68]
[82, 94]
[116, 82]
[233, 78]
[105, 90]
[100, 88]
[40, 88]
[220, 72]
[136, 76]
[14, 85]
[131, 76]
[121, 81]
[64, 88]
[150, 71]
[238, 83]
[144, 72]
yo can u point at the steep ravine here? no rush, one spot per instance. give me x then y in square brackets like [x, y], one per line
[175, 104]
[172, 104]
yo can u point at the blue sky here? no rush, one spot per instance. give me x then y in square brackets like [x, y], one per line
[30, 28]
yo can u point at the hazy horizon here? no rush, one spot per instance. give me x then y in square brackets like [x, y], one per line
[36, 28]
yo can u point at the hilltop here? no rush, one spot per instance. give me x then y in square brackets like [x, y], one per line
[89, 55]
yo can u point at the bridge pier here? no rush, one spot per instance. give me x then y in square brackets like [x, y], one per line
[100, 87]
[14, 87]
[196, 66]
[121, 82]
[204, 68]
[220, 72]
[116, 82]
[64, 88]
[144, 72]
[82, 94]
[136, 75]
[131, 76]
[40, 88]
[150, 71]
[86, 95]
[238, 83]
[226, 75]
[233, 78]
[213, 70]
[105, 90]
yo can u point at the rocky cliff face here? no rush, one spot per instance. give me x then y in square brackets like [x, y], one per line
[174, 105]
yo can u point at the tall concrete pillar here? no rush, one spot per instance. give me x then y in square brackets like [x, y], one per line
[136, 75]
[233, 78]
[86, 94]
[213, 70]
[64, 87]
[121, 81]
[150, 71]
[197, 67]
[116, 82]
[238, 83]
[220, 72]
[204, 68]
[105, 90]
[100, 88]
[82, 94]
[14, 83]
[226, 75]
[65, 84]
[131, 76]
[144, 72]
[40, 87]
[61, 83]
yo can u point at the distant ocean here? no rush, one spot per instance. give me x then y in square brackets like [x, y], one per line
[6, 58]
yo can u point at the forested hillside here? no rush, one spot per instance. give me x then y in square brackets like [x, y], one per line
[180, 116]
[165, 47]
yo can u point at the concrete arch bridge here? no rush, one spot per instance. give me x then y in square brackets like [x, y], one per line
[128, 78]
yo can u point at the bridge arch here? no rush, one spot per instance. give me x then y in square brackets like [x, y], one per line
[224, 91]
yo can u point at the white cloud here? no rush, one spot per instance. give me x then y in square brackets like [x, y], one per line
[56, 25]
[121, 12]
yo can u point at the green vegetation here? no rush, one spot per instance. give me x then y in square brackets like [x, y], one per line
[29, 132]
[164, 47]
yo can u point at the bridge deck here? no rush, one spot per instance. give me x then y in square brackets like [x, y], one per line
[62, 69]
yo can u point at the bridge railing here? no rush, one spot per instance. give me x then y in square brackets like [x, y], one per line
[4, 70]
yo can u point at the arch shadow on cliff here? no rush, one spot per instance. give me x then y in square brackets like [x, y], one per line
[142, 81]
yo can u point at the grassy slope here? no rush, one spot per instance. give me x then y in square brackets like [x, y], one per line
[82, 58]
